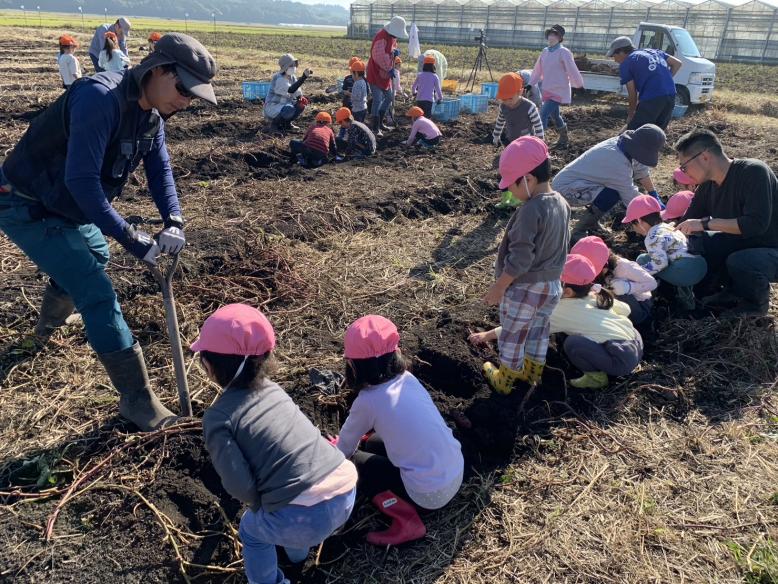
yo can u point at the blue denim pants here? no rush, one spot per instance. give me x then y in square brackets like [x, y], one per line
[550, 109]
[382, 99]
[295, 528]
[682, 272]
[290, 112]
[74, 256]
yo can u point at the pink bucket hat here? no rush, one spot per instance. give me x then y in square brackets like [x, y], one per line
[520, 157]
[682, 178]
[370, 336]
[677, 205]
[641, 206]
[594, 249]
[578, 270]
[236, 329]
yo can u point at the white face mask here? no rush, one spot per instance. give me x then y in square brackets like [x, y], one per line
[291, 71]
[553, 40]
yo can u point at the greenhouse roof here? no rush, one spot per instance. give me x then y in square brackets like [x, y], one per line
[753, 5]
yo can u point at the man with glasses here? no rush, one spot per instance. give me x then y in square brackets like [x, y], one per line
[56, 189]
[734, 215]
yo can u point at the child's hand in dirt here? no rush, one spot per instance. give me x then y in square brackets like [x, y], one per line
[478, 338]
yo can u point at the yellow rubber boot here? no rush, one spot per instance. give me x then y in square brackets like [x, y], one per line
[502, 379]
[533, 371]
[591, 380]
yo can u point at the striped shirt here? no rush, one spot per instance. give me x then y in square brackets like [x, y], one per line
[320, 138]
[522, 120]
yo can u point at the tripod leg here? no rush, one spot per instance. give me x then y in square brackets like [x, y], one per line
[486, 58]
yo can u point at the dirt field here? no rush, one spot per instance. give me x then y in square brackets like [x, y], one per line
[671, 475]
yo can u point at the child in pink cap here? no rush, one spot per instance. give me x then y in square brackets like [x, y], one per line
[667, 250]
[529, 261]
[628, 280]
[299, 488]
[601, 340]
[681, 179]
[677, 206]
[412, 454]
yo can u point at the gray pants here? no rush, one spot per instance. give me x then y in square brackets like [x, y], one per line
[657, 111]
[615, 358]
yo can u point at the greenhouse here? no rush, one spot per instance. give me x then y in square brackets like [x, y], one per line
[723, 31]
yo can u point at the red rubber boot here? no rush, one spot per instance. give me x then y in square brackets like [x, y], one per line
[406, 523]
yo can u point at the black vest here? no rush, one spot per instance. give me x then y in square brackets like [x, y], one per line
[36, 166]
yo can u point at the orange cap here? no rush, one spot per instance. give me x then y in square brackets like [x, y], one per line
[358, 66]
[324, 117]
[154, 37]
[353, 60]
[342, 115]
[429, 60]
[511, 84]
[112, 36]
[67, 41]
[398, 61]
[415, 112]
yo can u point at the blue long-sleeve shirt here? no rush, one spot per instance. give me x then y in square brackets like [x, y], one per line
[98, 40]
[94, 118]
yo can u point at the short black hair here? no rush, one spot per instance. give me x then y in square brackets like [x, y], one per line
[429, 67]
[698, 140]
[604, 296]
[542, 172]
[225, 366]
[362, 373]
[652, 219]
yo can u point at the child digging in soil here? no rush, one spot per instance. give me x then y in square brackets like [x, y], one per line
[601, 340]
[299, 488]
[424, 131]
[677, 206]
[413, 454]
[529, 262]
[667, 256]
[318, 144]
[628, 280]
[355, 138]
[69, 68]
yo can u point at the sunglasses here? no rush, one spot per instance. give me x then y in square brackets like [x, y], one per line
[686, 164]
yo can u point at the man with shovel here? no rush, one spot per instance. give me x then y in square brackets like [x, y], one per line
[56, 188]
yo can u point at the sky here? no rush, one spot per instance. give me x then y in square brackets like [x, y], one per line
[344, 3]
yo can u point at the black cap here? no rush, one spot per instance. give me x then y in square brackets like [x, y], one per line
[195, 66]
[558, 29]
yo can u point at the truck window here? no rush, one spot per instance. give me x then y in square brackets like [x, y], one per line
[685, 43]
[648, 39]
[667, 44]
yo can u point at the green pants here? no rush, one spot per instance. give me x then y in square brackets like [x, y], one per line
[74, 256]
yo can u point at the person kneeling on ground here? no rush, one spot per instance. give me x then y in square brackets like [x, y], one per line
[667, 250]
[529, 262]
[318, 144]
[413, 453]
[601, 340]
[518, 116]
[605, 174]
[628, 280]
[285, 101]
[268, 454]
[355, 138]
[424, 131]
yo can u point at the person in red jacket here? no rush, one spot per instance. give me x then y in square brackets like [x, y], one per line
[380, 68]
[318, 144]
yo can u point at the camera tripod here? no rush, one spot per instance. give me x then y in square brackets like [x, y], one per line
[480, 60]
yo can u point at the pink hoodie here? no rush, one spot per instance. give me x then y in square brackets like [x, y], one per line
[557, 71]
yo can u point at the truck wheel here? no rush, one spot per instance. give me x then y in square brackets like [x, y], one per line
[682, 95]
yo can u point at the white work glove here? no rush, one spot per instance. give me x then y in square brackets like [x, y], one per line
[171, 240]
[621, 287]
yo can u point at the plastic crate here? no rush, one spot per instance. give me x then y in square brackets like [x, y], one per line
[489, 89]
[340, 84]
[474, 103]
[680, 110]
[447, 110]
[450, 85]
[253, 90]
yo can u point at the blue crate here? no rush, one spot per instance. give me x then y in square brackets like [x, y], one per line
[474, 103]
[679, 110]
[489, 89]
[447, 110]
[340, 84]
[253, 90]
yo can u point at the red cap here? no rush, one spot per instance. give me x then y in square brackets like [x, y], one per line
[370, 336]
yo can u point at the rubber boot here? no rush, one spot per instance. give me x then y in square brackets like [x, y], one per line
[406, 524]
[138, 404]
[56, 307]
[588, 221]
[685, 297]
[503, 379]
[508, 201]
[591, 380]
[563, 141]
[375, 125]
[533, 370]
[723, 299]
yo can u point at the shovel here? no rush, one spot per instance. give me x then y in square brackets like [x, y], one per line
[164, 279]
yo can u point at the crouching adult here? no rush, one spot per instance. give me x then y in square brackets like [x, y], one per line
[285, 100]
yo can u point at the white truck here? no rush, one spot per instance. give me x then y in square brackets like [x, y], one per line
[695, 80]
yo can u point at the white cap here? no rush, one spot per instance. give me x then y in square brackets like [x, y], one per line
[125, 24]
